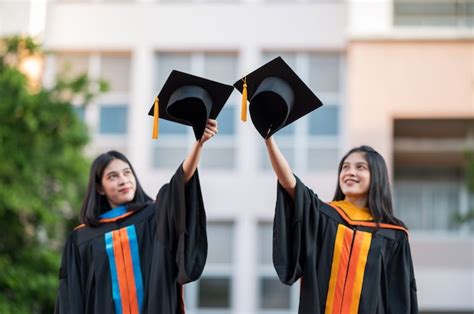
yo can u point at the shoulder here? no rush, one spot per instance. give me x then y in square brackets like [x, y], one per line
[84, 233]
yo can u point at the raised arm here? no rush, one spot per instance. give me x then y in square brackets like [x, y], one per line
[192, 160]
[281, 167]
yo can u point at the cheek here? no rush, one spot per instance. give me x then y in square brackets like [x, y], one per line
[367, 180]
[341, 175]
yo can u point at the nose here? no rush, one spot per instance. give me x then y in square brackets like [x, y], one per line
[122, 180]
[350, 171]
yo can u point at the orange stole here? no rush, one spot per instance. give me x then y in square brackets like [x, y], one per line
[126, 280]
[351, 249]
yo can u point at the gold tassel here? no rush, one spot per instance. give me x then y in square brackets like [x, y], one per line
[156, 113]
[243, 114]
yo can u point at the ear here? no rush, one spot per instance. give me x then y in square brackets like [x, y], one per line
[100, 190]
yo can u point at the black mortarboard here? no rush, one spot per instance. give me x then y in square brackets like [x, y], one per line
[189, 100]
[277, 97]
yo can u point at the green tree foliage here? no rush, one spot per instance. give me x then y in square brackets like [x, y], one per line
[43, 175]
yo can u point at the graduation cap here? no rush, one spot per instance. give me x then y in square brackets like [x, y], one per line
[190, 100]
[277, 97]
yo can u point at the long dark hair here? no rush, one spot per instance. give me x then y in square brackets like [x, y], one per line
[94, 203]
[379, 196]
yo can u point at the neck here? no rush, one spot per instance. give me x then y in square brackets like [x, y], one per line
[359, 201]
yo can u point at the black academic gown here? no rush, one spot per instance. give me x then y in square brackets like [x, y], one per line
[137, 262]
[345, 266]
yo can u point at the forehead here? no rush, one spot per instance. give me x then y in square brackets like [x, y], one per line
[116, 165]
[355, 157]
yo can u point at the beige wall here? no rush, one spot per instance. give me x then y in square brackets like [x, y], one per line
[390, 79]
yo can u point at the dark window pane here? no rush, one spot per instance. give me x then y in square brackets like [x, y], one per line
[324, 72]
[169, 127]
[324, 121]
[288, 150]
[167, 62]
[219, 158]
[427, 205]
[214, 293]
[165, 156]
[220, 236]
[226, 120]
[116, 71]
[455, 13]
[221, 67]
[113, 120]
[289, 57]
[286, 131]
[265, 239]
[274, 294]
[322, 159]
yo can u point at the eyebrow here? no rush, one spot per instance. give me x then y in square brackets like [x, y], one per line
[113, 171]
[357, 163]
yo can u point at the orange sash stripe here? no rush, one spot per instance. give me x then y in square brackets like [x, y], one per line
[347, 270]
[121, 272]
[359, 273]
[346, 303]
[127, 258]
[338, 269]
[342, 273]
[335, 268]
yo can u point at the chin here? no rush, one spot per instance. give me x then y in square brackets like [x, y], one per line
[126, 200]
[352, 193]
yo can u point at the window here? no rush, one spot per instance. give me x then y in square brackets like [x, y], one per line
[113, 119]
[109, 112]
[324, 74]
[428, 204]
[434, 13]
[71, 64]
[167, 62]
[221, 151]
[227, 121]
[286, 143]
[172, 146]
[272, 294]
[430, 190]
[212, 293]
[312, 143]
[325, 121]
[113, 105]
[115, 69]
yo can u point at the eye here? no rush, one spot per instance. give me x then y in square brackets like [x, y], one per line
[345, 167]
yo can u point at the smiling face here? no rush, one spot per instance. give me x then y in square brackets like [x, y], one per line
[118, 183]
[354, 178]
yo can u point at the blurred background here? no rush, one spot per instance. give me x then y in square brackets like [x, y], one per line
[394, 74]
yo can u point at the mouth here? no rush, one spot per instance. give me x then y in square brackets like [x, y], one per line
[125, 190]
[350, 181]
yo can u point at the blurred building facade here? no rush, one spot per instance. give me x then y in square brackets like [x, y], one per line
[397, 75]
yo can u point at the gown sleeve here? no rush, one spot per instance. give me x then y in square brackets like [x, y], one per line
[182, 225]
[294, 231]
[69, 297]
[402, 284]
